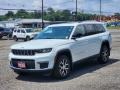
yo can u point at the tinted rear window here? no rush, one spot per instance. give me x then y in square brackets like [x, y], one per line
[18, 31]
[90, 29]
[99, 28]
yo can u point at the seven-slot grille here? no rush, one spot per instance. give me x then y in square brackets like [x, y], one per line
[23, 52]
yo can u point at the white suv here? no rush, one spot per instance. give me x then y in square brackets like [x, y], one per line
[59, 46]
[23, 33]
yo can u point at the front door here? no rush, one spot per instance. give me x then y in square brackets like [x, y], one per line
[80, 45]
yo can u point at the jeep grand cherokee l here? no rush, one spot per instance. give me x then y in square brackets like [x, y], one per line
[59, 46]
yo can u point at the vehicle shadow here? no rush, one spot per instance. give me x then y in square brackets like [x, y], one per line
[79, 69]
[6, 39]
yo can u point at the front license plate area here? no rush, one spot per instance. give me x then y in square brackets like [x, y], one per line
[21, 65]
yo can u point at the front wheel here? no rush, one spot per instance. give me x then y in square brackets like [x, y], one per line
[62, 67]
[15, 38]
[104, 55]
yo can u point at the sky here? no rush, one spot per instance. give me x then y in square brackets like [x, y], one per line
[90, 6]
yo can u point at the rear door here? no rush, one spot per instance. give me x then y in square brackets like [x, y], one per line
[23, 33]
[94, 42]
[18, 33]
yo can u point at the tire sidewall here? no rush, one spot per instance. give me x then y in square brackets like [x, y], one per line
[27, 38]
[100, 59]
[56, 71]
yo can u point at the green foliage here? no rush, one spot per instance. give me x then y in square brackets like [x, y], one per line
[50, 14]
[2, 18]
[113, 27]
[22, 14]
[10, 14]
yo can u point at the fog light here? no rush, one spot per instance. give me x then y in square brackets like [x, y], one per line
[43, 65]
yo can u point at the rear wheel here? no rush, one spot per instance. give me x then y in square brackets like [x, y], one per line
[62, 67]
[27, 38]
[104, 55]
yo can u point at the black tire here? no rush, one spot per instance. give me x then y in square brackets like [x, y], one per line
[27, 38]
[0, 37]
[62, 67]
[104, 55]
[15, 38]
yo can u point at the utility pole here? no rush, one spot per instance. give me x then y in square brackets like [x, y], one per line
[100, 10]
[42, 16]
[76, 9]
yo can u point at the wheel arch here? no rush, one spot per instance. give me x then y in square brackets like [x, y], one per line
[27, 36]
[64, 52]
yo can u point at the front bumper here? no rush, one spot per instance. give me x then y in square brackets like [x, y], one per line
[47, 71]
[40, 62]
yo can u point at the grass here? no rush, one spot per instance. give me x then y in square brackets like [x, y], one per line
[114, 27]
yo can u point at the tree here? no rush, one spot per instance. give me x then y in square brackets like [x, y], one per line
[117, 16]
[22, 14]
[37, 14]
[50, 15]
[10, 14]
[2, 17]
[50, 10]
[66, 15]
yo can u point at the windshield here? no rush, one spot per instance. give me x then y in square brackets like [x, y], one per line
[29, 30]
[58, 32]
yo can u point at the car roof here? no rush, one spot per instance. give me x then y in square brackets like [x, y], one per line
[22, 28]
[76, 23]
[91, 22]
[64, 24]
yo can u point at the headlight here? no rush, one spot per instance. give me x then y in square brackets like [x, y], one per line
[46, 50]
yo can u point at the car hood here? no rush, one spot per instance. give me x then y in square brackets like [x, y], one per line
[41, 43]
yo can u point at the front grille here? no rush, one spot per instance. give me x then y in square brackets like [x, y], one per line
[23, 52]
[30, 64]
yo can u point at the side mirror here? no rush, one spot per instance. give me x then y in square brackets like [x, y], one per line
[76, 36]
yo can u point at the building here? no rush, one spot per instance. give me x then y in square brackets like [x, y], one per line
[32, 23]
[7, 24]
[27, 23]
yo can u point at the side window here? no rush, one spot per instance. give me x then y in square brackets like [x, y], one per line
[90, 29]
[18, 31]
[22, 31]
[99, 28]
[79, 31]
[14, 30]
